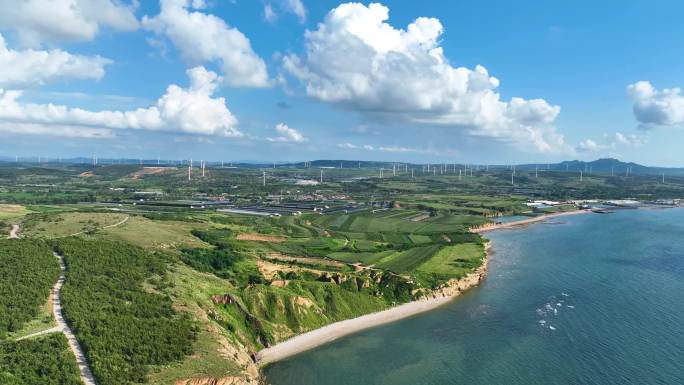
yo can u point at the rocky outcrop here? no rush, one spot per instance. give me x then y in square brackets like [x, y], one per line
[225, 299]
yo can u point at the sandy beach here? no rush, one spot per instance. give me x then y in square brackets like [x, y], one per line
[336, 330]
[525, 222]
[321, 336]
[318, 337]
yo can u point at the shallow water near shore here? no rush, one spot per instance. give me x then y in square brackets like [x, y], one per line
[586, 299]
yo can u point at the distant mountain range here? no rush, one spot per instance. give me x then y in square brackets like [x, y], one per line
[605, 166]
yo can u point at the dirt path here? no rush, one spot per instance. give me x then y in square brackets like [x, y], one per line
[86, 373]
[101, 228]
[55, 329]
[14, 233]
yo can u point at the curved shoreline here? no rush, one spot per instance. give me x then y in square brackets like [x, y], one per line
[312, 339]
[525, 222]
[321, 336]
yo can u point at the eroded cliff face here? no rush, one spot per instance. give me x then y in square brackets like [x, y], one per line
[244, 357]
[455, 287]
[216, 381]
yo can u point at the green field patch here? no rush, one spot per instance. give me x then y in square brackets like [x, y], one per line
[12, 211]
[454, 261]
[67, 224]
[365, 258]
[408, 260]
[420, 239]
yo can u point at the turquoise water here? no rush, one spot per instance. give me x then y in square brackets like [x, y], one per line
[510, 218]
[589, 299]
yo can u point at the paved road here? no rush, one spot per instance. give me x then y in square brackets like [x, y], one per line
[86, 373]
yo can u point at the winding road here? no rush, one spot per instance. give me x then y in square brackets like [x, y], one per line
[63, 327]
[86, 373]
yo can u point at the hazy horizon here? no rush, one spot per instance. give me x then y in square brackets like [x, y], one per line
[435, 82]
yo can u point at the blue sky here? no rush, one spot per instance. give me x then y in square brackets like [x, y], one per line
[326, 79]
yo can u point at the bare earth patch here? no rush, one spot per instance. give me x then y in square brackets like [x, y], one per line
[11, 209]
[288, 258]
[259, 237]
[270, 270]
[150, 171]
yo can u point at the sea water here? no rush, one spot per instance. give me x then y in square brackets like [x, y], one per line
[586, 299]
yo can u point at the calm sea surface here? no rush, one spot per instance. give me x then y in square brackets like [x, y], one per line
[589, 299]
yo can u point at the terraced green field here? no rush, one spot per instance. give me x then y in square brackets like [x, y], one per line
[454, 261]
[408, 260]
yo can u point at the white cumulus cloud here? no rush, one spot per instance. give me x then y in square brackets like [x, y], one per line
[22, 68]
[190, 110]
[612, 142]
[296, 7]
[202, 37]
[53, 21]
[269, 14]
[356, 60]
[287, 135]
[590, 145]
[630, 140]
[654, 107]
